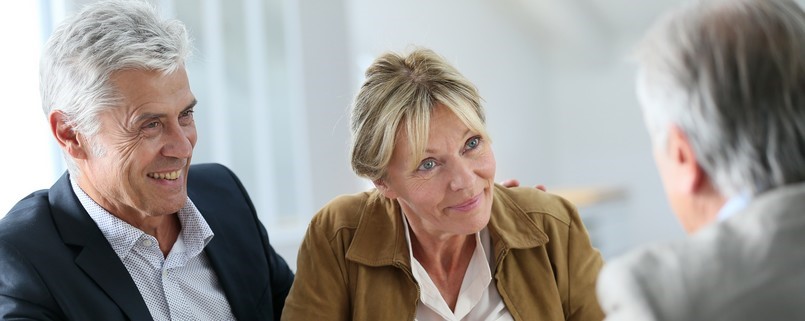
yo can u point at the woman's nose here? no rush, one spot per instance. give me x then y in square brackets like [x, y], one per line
[462, 175]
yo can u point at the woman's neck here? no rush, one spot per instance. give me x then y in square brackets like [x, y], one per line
[445, 259]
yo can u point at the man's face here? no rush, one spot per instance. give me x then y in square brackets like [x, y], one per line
[666, 142]
[136, 167]
[677, 200]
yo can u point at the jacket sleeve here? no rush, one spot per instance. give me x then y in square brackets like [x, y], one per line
[621, 295]
[584, 264]
[23, 296]
[320, 291]
[280, 274]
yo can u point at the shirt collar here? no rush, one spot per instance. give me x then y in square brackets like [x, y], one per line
[733, 205]
[482, 243]
[476, 278]
[122, 236]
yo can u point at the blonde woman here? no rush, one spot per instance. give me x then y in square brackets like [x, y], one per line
[438, 239]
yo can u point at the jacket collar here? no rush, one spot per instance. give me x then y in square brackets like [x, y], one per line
[93, 253]
[380, 236]
[511, 227]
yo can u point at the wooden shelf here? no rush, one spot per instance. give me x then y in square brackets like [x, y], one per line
[589, 195]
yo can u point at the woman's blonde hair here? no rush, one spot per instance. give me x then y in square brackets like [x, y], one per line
[404, 89]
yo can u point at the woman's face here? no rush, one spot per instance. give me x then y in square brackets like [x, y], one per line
[448, 191]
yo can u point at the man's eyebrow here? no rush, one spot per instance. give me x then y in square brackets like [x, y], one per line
[140, 118]
[145, 116]
[191, 105]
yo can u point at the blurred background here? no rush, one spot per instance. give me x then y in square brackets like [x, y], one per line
[275, 78]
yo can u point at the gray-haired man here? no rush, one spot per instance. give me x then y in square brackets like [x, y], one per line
[722, 87]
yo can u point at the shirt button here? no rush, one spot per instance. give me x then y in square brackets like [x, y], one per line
[164, 273]
[147, 243]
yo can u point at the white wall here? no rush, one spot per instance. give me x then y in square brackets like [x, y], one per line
[325, 52]
[28, 151]
[600, 141]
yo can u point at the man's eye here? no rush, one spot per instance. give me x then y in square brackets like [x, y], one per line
[427, 165]
[186, 117]
[153, 124]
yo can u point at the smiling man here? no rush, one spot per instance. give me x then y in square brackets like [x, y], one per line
[132, 231]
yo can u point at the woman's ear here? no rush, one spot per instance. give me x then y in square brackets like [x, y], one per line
[66, 135]
[384, 189]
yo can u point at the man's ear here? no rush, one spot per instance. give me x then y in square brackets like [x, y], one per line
[691, 178]
[384, 189]
[66, 136]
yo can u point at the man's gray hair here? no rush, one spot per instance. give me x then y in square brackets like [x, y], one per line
[103, 38]
[731, 76]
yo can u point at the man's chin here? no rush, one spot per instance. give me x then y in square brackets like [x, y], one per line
[168, 207]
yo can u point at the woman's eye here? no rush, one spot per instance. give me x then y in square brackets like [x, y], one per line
[427, 165]
[472, 143]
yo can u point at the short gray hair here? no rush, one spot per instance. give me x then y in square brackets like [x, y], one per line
[731, 76]
[87, 48]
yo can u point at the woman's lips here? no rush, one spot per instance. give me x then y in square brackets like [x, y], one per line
[469, 204]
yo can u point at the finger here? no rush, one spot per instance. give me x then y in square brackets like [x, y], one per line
[510, 183]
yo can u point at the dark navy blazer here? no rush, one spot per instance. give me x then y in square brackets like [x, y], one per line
[56, 265]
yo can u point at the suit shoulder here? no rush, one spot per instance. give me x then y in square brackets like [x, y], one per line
[28, 212]
[209, 167]
[535, 201]
[212, 180]
[645, 260]
[654, 281]
[209, 172]
[29, 226]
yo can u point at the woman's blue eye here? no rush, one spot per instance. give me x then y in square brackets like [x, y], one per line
[427, 165]
[473, 142]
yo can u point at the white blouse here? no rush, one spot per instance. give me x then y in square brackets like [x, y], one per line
[478, 298]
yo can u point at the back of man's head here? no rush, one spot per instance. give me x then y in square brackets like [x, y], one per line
[731, 75]
[103, 38]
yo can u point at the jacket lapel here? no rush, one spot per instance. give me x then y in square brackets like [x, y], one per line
[510, 227]
[380, 236]
[94, 255]
[224, 260]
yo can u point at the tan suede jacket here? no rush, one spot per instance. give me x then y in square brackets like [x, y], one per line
[354, 263]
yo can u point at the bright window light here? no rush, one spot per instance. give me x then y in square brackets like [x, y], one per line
[27, 153]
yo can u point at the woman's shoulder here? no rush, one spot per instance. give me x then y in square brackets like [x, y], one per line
[346, 210]
[536, 202]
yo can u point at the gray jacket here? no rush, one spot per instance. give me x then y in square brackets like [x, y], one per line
[748, 267]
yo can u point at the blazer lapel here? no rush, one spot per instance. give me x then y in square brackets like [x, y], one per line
[234, 252]
[222, 256]
[94, 255]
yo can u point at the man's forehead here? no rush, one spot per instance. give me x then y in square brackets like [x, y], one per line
[143, 86]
